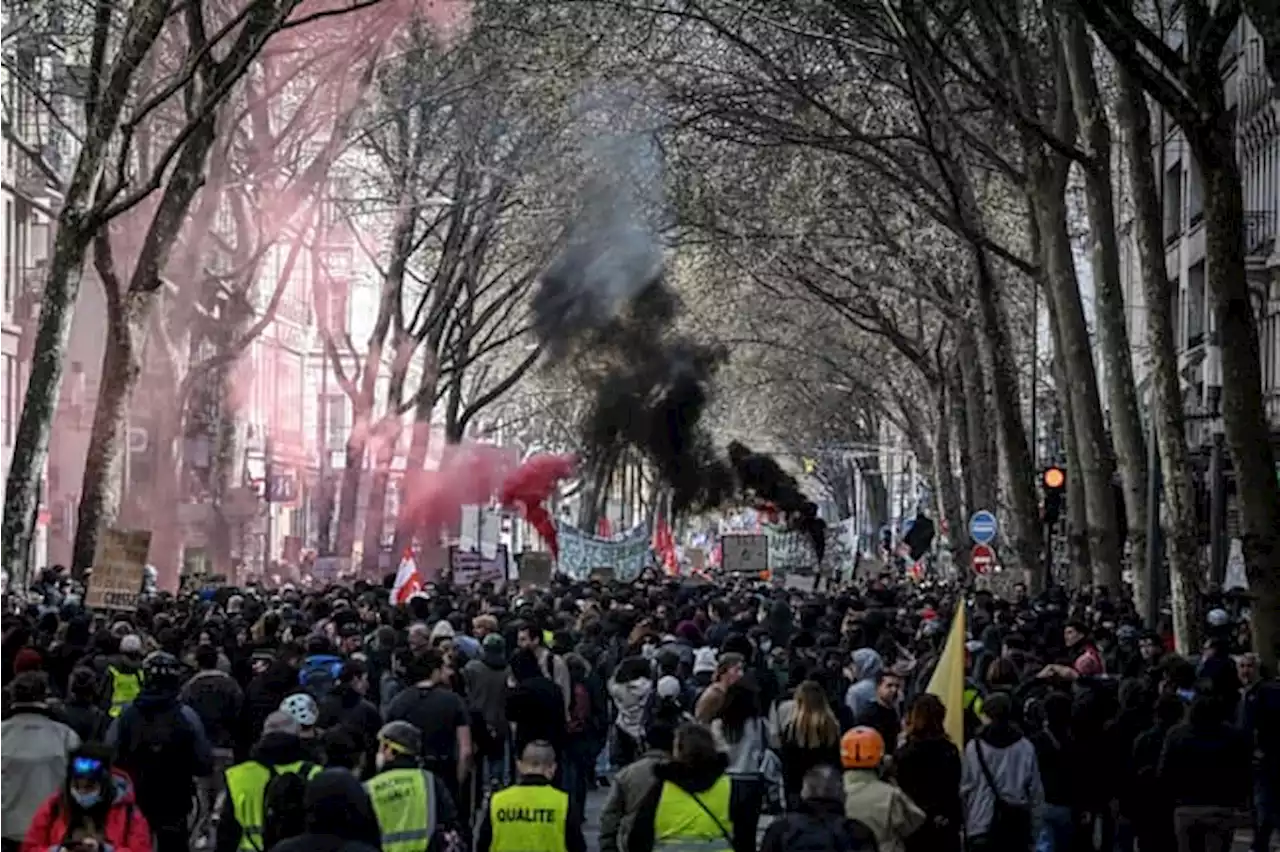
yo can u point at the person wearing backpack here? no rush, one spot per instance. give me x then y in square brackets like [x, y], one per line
[819, 824]
[1000, 782]
[264, 801]
[414, 809]
[320, 669]
[160, 742]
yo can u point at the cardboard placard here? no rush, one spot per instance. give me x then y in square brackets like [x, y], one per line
[697, 559]
[468, 568]
[118, 569]
[744, 553]
[535, 569]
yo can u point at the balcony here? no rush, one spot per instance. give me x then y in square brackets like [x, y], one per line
[1259, 231]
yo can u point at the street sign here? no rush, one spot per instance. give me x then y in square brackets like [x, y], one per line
[983, 527]
[983, 559]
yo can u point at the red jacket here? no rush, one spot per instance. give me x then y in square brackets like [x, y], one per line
[126, 829]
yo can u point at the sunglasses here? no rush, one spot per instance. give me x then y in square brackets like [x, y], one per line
[85, 766]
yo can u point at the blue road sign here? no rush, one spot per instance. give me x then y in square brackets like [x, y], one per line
[983, 527]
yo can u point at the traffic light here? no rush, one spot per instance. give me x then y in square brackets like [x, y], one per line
[1054, 482]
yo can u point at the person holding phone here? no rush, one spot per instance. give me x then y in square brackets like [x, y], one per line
[95, 810]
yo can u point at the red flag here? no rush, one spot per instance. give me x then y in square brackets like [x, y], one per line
[664, 545]
[604, 529]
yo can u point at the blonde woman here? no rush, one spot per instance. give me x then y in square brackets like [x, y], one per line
[808, 736]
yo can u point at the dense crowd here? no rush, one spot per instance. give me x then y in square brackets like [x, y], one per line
[716, 715]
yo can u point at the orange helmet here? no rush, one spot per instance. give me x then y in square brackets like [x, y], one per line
[861, 748]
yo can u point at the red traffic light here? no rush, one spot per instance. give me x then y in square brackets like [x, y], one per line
[1054, 478]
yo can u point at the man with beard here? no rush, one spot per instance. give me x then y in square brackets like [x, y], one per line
[161, 743]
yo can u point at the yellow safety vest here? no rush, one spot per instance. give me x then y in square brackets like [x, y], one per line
[125, 687]
[528, 818]
[404, 800]
[247, 787]
[682, 825]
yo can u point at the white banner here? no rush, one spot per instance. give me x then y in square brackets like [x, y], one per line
[791, 551]
[581, 552]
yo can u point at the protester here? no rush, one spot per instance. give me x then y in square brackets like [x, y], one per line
[36, 749]
[94, 811]
[819, 821]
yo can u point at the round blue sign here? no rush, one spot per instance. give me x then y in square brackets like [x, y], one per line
[983, 527]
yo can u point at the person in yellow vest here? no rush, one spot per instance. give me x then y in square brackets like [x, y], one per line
[123, 679]
[688, 808]
[532, 815]
[415, 811]
[279, 750]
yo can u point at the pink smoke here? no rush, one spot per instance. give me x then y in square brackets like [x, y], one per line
[529, 487]
[469, 474]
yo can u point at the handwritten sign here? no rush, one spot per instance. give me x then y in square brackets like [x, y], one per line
[118, 569]
[535, 569]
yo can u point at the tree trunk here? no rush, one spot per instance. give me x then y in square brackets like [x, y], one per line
[947, 487]
[984, 470]
[101, 486]
[1095, 463]
[376, 507]
[40, 403]
[1182, 546]
[1077, 520]
[1122, 396]
[958, 409]
[1244, 417]
[349, 492]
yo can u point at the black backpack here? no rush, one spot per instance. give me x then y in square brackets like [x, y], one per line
[284, 804]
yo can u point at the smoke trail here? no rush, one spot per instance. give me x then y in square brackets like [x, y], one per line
[764, 479]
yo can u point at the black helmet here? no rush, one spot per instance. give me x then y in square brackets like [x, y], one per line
[161, 666]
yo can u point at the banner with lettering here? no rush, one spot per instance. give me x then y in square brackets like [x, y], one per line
[792, 552]
[581, 552]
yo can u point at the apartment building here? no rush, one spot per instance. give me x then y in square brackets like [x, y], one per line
[1256, 102]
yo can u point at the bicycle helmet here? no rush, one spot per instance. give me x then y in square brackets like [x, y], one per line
[302, 707]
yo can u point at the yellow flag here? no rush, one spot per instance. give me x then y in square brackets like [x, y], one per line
[948, 678]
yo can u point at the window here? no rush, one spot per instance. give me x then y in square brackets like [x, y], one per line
[334, 303]
[1195, 194]
[11, 262]
[1175, 309]
[288, 405]
[1173, 202]
[1195, 305]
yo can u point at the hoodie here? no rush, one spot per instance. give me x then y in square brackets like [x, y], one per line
[1011, 758]
[867, 665]
[692, 778]
[339, 817]
[274, 749]
[486, 680]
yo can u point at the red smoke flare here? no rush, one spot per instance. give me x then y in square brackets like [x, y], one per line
[528, 488]
[469, 474]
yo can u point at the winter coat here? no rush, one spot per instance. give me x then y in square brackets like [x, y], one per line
[1206, 765]
[817, 825]
[882, 807]
[928, 771]
[161, 743]
[217, 699]
[486, 681]
[124, 827]
[35, 748]
[538, 711]
[630, 784]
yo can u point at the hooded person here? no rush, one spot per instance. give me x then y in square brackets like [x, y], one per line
[338, 817]
[689, 802]
[486, 681]
[36, 745]
[866, 665]
[280, 750]
[161, 743]
[93, 811]
[1000, 772]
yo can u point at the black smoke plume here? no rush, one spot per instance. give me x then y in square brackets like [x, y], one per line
[604, 306]
[762, 479]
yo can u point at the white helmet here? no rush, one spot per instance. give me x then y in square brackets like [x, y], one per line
[302, 707]
[1218, 617]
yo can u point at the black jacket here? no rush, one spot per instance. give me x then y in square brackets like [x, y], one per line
[818, 825]
[339, 817]
[217, 700]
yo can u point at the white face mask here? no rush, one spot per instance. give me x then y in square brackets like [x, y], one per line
[380, 760]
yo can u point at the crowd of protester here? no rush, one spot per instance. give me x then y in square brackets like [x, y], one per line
[714, 715]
